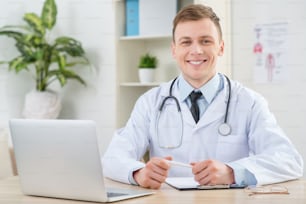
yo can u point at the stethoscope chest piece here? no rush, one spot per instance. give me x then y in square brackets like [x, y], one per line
[224, 129]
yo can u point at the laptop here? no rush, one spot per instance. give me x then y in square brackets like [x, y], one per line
[61, 159]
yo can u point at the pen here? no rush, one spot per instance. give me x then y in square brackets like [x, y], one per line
[175, 163]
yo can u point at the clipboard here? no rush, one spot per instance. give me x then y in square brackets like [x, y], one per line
[188, 183]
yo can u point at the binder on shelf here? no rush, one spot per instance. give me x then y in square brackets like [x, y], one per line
[132, 17]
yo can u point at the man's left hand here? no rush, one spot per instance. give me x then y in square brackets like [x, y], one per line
[212, 172]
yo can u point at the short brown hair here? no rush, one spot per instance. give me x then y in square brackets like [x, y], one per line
[196, 12]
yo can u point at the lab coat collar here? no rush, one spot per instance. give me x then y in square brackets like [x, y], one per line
[215, 111]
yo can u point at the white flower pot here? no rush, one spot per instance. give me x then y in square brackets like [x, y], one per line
[146, 75]
[42, 105]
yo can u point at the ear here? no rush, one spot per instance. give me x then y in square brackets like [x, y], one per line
[221, 48]
[173, 49]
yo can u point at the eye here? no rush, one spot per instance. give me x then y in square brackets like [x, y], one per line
[206, 41]
[185, 42]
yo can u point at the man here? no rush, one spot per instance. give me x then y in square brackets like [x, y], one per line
[252, 150]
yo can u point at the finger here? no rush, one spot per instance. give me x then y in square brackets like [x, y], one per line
[198, 167]
[158, 171]
[154, 184]
[161, 163]
[168, 158]
[159, 168]
[206, 180]
[158, 177]
[202, 177]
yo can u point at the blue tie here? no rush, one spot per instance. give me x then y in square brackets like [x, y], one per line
[194, 96]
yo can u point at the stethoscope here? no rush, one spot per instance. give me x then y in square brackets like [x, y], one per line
[224, 129]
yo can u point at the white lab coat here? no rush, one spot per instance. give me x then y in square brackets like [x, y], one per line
[256, 142]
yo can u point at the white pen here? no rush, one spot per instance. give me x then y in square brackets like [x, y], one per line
[176, 163]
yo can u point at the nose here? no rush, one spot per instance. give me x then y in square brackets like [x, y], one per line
[196, 49]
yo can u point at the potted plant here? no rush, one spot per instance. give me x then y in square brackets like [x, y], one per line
[48, 60]
[147, 65]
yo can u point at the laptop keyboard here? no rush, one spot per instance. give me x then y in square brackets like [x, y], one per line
[113, 194]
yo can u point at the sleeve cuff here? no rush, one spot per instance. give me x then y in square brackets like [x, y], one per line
[243, 177]
[131, 177]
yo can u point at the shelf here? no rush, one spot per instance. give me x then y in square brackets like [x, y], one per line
[138, 84]
[145, 37]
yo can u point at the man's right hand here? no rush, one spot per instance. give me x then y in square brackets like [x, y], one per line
[153, 174]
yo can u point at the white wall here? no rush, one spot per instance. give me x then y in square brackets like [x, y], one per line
[287, 99]
[91, 22]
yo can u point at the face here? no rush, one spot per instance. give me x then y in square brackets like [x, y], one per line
[196, 48]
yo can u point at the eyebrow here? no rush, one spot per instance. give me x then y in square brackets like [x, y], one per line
[201, 37]
[184, 38]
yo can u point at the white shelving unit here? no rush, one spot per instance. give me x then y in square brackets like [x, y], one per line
[130, 48]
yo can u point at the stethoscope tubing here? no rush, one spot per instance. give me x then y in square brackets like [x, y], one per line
[228, 98]
[224, 129]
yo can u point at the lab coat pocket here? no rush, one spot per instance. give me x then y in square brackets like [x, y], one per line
[232, 147]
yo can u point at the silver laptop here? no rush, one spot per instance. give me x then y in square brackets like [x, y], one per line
[61, 159]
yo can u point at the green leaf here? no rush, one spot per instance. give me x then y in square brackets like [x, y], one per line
[61, 60]
[18, 64]
[35, 22]
[69, 46]
[26, 51]
[12, 34]
[33, 40]
[62, 79]
[63, 75]
[49, 13]
[17, 28]
[39, 54]
[72, 64]
[69, 74]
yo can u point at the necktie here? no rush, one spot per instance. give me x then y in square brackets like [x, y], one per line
[194, 96]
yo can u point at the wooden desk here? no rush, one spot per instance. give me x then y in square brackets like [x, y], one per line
[10, 193]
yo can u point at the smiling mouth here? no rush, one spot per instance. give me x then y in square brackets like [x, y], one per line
[196, 62]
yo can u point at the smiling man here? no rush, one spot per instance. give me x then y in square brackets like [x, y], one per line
[183, 120]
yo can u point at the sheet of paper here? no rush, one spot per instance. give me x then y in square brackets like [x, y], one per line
[184, 183]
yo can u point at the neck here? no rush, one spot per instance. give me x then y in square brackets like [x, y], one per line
[198, 83]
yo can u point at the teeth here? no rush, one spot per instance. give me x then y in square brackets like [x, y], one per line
[195, 62]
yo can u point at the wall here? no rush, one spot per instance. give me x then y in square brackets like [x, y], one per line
[91, 22]
[95, 29]
[286, 98]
